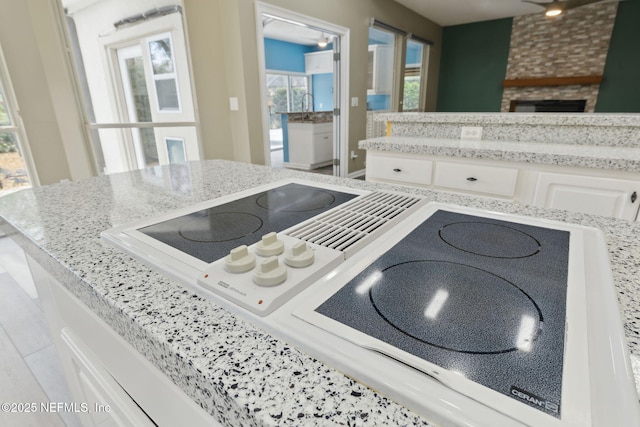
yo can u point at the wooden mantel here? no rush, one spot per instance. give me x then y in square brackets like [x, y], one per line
[553, 81]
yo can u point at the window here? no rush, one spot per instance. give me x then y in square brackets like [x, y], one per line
[394, 85]
[15, 162]
[380, 70]
[164, 74]
[414, 88]
[133, 72]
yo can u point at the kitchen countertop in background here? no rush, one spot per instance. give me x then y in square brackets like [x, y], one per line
[254, 378]
[588, 156]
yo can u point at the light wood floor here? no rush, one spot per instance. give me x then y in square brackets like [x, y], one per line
[30, 371]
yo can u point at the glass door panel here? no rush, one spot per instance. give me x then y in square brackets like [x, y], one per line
[380, 69]
[138, 105]
[413, 92]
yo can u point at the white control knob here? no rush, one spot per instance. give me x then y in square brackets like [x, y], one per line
[300, 255]
[239, 260]
[270, 245]
[270, 272]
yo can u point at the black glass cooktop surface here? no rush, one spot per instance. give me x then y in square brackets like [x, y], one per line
[478, 296]
[211, 233]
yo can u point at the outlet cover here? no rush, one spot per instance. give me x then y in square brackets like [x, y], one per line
[233, 104]
[471, 132]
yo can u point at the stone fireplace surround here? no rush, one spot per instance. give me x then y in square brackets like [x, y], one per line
[546, 50]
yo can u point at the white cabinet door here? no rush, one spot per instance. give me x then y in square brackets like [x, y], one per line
[322, 147]
[405, 170]
[592, 195]
[310, 144]
[476, 178]
[318, 62]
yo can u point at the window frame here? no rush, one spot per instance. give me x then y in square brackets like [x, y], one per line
[16, 125]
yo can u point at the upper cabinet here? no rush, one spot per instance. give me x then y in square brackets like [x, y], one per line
[380, 69]
[318, 62]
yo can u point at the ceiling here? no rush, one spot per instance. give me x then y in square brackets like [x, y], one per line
[281, 30]
[442, 12]
[455, 12]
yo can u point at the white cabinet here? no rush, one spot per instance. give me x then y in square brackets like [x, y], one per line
[310, 145]
[492, 180]
[592, 191]
[111, 383]
[380, 69]
[398, 168]
[587, 194]
[318, 62]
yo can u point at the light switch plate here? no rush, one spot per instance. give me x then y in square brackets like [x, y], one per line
[354, 101]
[233, 104]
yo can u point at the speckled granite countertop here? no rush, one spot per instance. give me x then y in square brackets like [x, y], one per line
[588, 156]
[621, 130]
[252, 378]
[555, 119]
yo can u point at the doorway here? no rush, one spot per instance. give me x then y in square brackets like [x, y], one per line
[303, 73]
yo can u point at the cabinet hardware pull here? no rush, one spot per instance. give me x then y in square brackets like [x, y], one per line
[634, 197]
[472, 179]
[397, 170]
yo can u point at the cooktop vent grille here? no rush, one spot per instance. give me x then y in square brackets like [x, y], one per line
[351, 225]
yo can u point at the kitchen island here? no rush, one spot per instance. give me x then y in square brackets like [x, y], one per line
[237, 373]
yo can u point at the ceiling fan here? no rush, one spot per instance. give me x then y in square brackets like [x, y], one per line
[557, 7]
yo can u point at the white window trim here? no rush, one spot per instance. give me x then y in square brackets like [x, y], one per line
[18, 126]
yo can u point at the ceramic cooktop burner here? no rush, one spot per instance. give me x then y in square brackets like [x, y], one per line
[492, 240]
[295, 199]
[414, 300]
[210, 227]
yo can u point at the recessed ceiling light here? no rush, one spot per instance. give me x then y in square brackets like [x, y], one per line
[553, 12]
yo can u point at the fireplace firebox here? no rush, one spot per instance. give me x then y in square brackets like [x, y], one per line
[548, 106]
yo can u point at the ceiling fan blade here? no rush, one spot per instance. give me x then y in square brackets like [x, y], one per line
[541, 4]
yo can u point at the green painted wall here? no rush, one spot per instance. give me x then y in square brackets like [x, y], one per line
[473, 65]
[620, 89]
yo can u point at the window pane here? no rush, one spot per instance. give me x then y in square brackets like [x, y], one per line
[161, 58]
[412, 76]
[149, 148]
[167, 95]
[300, 97]
[13, 173]
[380, 69]
[5, 120]
[135, 69]
[175, 149]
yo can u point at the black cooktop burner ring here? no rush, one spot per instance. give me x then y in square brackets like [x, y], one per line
[520, 244]
[233, 228]
[536, 335]
[295, 199]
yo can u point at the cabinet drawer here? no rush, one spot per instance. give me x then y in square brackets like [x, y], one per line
[479, 179]
[410, 171]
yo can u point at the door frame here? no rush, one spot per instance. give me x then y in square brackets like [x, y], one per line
[340, 81]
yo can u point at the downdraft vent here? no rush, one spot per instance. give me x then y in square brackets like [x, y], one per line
[347, 227]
